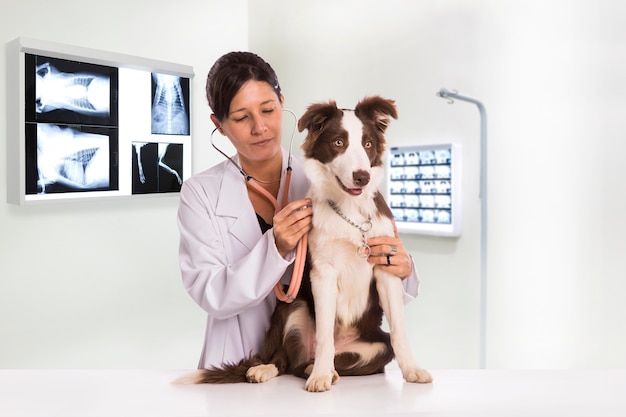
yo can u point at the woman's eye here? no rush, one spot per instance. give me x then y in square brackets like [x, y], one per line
[268, 111]
[338, 143]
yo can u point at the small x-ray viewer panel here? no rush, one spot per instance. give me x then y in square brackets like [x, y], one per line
[424, 189]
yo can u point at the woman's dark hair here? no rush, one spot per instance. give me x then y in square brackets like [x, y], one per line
[229, 73]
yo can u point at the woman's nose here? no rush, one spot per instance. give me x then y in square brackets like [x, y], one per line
[258, 126]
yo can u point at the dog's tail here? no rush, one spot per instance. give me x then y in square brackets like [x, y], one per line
[229, 373]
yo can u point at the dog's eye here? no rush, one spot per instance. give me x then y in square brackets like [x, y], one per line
[368, 144]
[338, 143]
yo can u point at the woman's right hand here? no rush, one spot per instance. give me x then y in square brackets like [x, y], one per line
[291, 223]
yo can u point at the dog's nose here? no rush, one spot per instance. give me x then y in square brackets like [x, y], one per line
[361, 178]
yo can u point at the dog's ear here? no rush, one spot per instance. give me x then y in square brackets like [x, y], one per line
[316, 116]
[377, 110]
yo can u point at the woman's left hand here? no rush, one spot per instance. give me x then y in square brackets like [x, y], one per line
[388, 254]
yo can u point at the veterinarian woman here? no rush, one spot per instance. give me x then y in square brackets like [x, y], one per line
[233, 247]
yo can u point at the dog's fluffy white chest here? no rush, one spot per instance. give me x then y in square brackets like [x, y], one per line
[333, 246]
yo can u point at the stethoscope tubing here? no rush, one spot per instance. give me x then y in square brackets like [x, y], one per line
[301, 248]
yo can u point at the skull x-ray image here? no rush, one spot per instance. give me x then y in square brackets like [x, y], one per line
[157, 167]
[170, 103]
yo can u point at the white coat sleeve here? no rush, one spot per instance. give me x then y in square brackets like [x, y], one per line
[221, 288]
[411, 285]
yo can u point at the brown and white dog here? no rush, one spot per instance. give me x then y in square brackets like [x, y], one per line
[333, 327]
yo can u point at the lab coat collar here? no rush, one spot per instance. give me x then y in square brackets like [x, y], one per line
[232, 202]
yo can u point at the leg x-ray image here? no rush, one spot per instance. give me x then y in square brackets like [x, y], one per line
[157, 167]
[71, 92]
[71, 160]
[170, 101]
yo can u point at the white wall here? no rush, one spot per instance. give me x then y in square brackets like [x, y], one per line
[557, 261]
[96, 284]
[551, 74]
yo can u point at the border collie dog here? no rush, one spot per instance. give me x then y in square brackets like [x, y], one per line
[333, 327]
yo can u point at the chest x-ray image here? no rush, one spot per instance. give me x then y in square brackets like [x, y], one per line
[170, 101]
[157, 167]
[64, 91]
[79, 92]
[68, 159]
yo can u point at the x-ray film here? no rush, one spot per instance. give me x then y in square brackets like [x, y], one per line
[95, 124]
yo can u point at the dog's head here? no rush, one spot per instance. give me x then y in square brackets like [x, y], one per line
[347, 144]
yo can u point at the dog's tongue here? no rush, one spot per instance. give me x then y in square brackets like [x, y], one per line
[355, 191]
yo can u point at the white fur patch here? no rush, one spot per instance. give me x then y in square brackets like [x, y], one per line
[354, 158]
[261, 373]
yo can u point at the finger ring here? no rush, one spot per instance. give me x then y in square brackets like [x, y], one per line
[388, 260]
[394, 250]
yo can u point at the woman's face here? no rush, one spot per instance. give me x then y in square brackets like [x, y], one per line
[254, 122]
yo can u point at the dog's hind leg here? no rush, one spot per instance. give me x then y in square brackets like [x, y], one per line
[272, 359]
[391, 297]
[288, 343]
[363, 358]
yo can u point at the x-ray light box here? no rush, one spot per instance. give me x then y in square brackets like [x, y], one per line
[424, 189]
[86, 124]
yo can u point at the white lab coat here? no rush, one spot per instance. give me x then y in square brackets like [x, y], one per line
[228, 266]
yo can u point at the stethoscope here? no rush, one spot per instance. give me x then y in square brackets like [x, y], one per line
[298, 267]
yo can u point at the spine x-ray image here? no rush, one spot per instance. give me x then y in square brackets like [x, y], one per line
[157, 167]
[170, 101]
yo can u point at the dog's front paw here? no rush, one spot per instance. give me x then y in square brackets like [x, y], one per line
[321, 383]
[261, 373]
[419, 375]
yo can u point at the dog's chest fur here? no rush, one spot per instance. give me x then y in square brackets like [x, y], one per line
[334, 248]
[333, 245]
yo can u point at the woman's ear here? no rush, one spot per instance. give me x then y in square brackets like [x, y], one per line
[217, 123]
